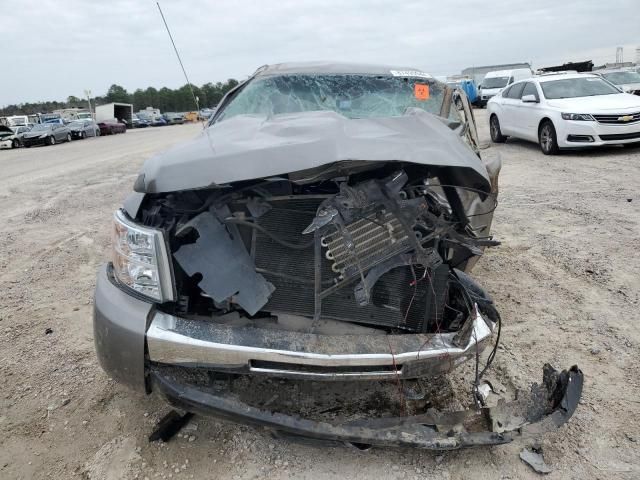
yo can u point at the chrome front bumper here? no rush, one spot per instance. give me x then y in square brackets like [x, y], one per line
[194, 343]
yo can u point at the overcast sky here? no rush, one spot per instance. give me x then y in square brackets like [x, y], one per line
[53, 48]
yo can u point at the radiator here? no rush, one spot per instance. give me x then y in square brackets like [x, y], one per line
[395, 302]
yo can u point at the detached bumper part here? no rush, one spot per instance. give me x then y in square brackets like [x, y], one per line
[548, 406]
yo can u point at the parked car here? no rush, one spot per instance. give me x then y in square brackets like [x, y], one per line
[326, 237]
[158, 122]
[137, 122]
[111, 128]
[7, 138]
[153, 118]
[566, 110]
[495, 81]
[173, 118]
[83, 129]
[11, 137]
[206, 113]
[627, 80]
[48, 133]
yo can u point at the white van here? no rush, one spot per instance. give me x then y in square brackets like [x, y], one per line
[495, 81]
[18, 121]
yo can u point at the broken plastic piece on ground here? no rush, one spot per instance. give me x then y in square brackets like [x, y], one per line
[169, 426]
[535, 460]
[548, 406]
[484, 390]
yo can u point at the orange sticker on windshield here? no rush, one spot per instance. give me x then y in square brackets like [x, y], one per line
[421, 91]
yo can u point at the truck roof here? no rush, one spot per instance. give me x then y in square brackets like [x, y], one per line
[504, 73]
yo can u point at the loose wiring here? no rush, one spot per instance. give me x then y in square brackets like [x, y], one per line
[275, 238]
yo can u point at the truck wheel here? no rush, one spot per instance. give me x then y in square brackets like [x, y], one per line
[548, 139]
[51, 140]
[494, 128]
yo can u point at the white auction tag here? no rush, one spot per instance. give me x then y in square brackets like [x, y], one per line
[410, 73]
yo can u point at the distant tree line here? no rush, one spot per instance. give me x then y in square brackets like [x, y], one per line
[166, 99]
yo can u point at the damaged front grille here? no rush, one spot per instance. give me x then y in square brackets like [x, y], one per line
[377, 252]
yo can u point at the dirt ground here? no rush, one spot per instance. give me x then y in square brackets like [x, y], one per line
[565, 279]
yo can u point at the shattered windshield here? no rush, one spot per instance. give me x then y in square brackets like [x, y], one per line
[354, 96]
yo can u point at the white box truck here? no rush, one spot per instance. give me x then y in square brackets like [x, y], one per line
[115, 112]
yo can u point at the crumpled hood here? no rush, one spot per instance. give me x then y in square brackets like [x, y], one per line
[247, 147]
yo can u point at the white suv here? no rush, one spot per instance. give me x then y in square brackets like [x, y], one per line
[565, 110]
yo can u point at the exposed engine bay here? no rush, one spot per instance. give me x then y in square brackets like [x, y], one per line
[378, 248]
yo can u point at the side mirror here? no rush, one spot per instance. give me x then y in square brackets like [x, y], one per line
[529, 99]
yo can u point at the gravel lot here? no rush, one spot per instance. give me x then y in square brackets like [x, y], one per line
[565, 279]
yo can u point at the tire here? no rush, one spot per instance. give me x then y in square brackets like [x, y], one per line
[15, 143]
[83, 135]
[547, 138]
[494, 129]
[97, 133]
[68, 137]
[51, 140]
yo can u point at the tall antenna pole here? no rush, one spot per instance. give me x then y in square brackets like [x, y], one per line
[193, 94]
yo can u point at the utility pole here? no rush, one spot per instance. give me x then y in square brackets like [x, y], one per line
[88, 94]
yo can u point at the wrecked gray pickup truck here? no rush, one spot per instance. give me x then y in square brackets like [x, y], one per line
[321, 228]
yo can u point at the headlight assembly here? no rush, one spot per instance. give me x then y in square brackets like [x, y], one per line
[577, 116]
[140, 259]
